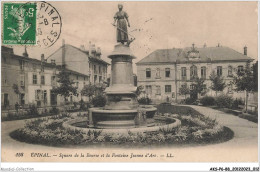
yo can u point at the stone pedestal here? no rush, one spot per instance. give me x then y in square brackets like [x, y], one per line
[122, 108]
[121, 92]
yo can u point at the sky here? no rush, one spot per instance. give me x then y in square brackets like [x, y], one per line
[157, 25]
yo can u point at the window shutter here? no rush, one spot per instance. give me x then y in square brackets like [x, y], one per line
[35, 94]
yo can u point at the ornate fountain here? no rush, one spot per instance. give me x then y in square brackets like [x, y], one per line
[122, 109]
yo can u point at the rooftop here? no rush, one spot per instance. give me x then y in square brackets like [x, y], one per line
[78, 49]
[205, 54]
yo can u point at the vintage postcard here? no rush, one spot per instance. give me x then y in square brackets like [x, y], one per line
[129, 82]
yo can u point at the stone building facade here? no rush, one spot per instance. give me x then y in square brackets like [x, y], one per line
[81, 60]
[34, 79]
[165, 71]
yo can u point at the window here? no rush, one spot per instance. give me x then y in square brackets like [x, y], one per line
[183, 73]
[77, 77]
[240, 69]
[193, 72]
[158, 89]
[45, 97]
[22, 80]
[167, 72]
[84, 83]
[95, 70]
[168, 88]
[21, 64]
[203, 72]
[148, 89]
[53, 98]
[192, 86]
[53, 80]
[219, 70]
[158, 73]
[6, 99]
[22, 101]
[34, 79]
[4, 58]
[148, 73]
[229, 70]
[42, 79]
[99, 69]
[100, 79]
[95, 78]
[38, 94]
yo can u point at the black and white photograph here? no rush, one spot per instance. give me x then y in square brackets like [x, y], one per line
[130, 81]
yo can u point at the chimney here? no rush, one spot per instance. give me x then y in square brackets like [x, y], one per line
[205, 45]
[93, 50]
[89, 49]
[63, 54]
[25, 54]
[42, 58]
[218, 45]
[98, 52]
[245, 50]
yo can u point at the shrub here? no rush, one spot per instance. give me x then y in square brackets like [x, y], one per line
[207, 101]
[84, 106]
[32, 111]
[54, 110]
[189, 101]
[224, 101]
[236, 103]
[99, 101]
[144, 101]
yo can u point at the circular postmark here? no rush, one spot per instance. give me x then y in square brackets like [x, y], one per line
[49, 24]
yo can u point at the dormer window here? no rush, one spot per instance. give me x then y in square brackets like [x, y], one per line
[193, 54]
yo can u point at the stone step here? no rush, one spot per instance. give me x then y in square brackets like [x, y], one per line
[116, 124]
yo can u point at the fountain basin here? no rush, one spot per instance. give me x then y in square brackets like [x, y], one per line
[71, 125]
[118, 118]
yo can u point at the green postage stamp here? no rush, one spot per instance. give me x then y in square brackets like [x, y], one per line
[19, 23]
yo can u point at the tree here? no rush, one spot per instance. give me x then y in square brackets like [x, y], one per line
[198, 87]
[16, 89]
[245, 81]
[65, 87]
[89, 90]
[17, 92]
[218, 83]
[184, 90]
